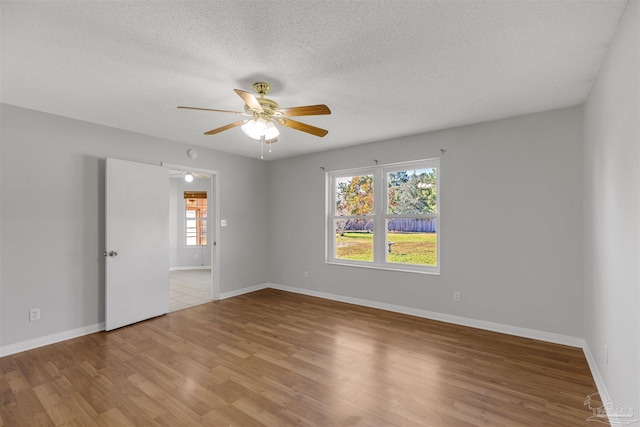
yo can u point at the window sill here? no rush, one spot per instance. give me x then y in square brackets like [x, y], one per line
[378, 267]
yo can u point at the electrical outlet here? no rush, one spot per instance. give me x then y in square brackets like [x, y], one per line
[456, 295]
[34, 314]
[306, 274]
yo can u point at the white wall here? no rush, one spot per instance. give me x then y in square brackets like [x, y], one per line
[191, 256]
[612, 214]
[511, 229]
[52, 220]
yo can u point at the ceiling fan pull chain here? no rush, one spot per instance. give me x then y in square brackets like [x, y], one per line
[262, 147]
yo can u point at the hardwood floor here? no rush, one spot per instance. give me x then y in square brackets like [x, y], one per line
[276, 359]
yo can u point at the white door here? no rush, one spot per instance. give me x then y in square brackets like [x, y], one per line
[137, 242]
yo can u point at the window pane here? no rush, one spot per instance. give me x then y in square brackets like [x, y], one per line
[196, 232]
[195, 218]
[354, 239]
[412, 191]
[412, 241]
[202, 235]
[354, 195]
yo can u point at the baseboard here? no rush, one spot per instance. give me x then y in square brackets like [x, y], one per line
[605, 397]
[49, 339]
[248, 289]
[595, 372]
[457, 320]
[195, 267]
[86, 330]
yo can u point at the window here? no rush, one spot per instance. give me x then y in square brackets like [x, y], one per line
[195, 218]
[354, 217]
[385, 217]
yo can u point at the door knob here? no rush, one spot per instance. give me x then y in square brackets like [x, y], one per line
[113, 253]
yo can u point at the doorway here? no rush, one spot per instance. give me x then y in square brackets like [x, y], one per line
[193, 236]
[188, 288]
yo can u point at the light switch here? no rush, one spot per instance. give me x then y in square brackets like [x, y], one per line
[223, 223]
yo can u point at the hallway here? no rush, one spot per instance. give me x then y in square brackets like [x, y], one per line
[188, 288]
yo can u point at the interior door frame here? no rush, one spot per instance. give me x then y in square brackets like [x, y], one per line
[214, 187]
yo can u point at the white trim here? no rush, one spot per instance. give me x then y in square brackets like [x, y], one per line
[98, 327]
[403, 268]
[602, 388]
[379, 216]
[50, 339]
[215, 248]
[597, 378]
[208, 172]
[214, 189]
[456, 320]
[195, 267]
[248, 289]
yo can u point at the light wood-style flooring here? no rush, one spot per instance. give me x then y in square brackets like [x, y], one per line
[272, 358]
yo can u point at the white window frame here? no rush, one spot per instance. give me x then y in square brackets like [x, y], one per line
[380, 216]
[197, 219]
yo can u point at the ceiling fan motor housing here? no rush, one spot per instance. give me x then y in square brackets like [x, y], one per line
[262, 88]
[269, 106]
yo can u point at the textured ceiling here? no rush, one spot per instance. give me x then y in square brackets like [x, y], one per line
[385, 68]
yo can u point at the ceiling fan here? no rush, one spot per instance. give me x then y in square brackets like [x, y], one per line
[262, 113]
[186, 175]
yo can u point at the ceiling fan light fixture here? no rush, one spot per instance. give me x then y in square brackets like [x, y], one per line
[271, 131]
[251, 129]
[262, 115]
[256, 129]
[188, 177]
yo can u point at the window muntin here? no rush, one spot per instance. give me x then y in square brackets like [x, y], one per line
[195, 218]
[397, 230]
